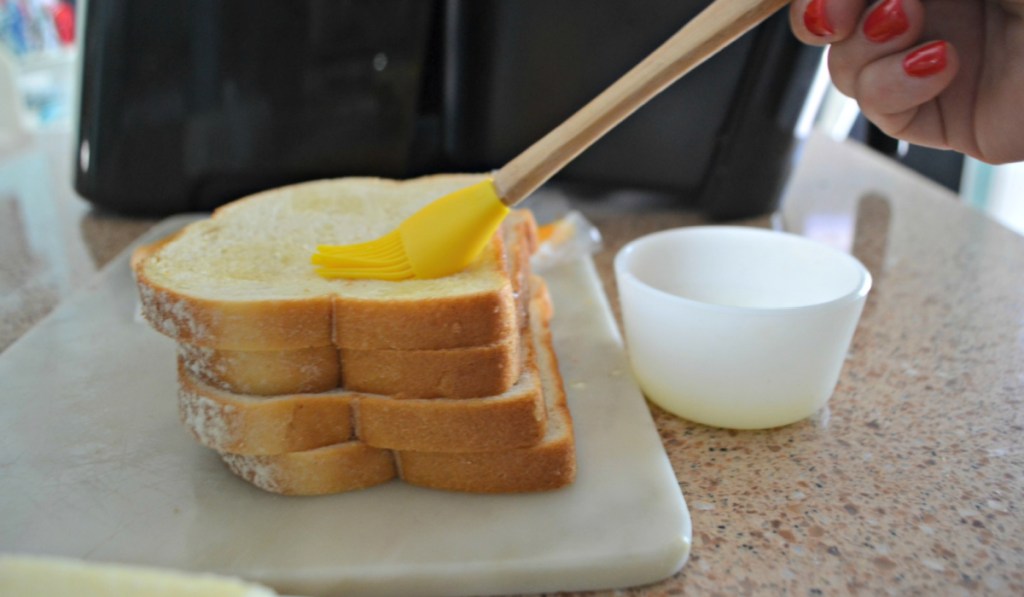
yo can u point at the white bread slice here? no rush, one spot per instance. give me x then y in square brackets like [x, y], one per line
[546, 465]
[469, 372]
[257, 425]
[331, 469]
[241, 280]
[243, 424]
[264, 372]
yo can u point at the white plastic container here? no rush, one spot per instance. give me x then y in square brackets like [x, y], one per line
[738, 327]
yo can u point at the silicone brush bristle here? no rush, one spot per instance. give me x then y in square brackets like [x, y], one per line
[383, 259]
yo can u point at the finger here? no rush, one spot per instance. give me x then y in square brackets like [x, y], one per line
[888, 27]
[819, 22]
[898, 92]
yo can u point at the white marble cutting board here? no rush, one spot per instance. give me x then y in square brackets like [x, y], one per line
[94, 464]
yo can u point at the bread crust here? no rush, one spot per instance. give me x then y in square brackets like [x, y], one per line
[236, 325]
[449, 373]
[543, 467]
[264, 372]
[456, 426]
[453, 322]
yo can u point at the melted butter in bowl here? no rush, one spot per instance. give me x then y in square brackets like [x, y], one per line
[738, 327]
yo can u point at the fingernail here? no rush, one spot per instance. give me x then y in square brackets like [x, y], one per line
[927, 60]
[816, 19]
[886, 21]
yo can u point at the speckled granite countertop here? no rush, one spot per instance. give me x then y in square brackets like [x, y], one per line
[910, 482]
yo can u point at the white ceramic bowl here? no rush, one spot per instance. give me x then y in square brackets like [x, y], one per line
[738, 327]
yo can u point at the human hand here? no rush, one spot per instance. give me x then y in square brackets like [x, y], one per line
[938, 73]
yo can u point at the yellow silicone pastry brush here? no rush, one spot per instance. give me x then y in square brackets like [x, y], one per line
[449, 233]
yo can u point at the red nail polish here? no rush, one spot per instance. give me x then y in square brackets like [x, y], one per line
[816, 19]
[886, 21]
[927, 60]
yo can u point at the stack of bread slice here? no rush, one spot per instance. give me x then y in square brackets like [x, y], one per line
[309, 386]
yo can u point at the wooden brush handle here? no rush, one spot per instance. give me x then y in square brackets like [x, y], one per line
[707, 33]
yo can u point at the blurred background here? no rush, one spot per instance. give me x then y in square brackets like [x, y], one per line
[116, 113]
[185, 105]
